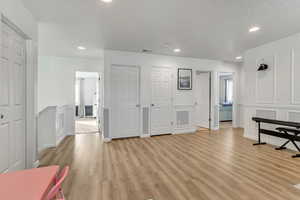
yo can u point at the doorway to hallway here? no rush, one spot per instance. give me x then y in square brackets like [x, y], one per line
[87, 102]
[226, 99]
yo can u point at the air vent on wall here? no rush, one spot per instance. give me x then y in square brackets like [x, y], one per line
[182, 118]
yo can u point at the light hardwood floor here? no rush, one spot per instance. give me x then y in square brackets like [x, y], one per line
[211, 166]
[86, 126]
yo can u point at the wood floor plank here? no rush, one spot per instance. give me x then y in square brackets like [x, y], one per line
[203, 166]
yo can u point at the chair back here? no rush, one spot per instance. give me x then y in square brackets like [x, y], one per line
[56, 189]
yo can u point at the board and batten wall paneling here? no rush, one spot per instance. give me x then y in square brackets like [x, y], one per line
[265, 80]
[283, 75]
[276, 89]
[295, 75]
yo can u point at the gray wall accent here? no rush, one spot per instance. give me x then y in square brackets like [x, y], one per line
[145, 120]
[106, 123]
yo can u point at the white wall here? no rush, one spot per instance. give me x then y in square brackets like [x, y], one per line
[16, 13]
[274, 93]
[146, 61]
[56, 79]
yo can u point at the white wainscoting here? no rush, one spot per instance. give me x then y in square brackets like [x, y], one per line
[276, 90]
[295, 89]
[54, 124]
[270, 113]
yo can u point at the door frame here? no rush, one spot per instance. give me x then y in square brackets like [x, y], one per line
[139, 99]
[99, 111]
[172, 99]
[210, 97]
[234, 104]
[30, 104]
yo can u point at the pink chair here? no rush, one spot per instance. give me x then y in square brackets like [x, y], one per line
[56, 192]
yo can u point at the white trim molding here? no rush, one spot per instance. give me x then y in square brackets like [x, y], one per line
[293, 101]
[36, 164]
[31, 93]
[145, 136]
[185, 131]
[107, 139]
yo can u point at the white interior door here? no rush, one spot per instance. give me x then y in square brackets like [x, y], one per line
[201, 90]
[161, 107]
[125, 101]
[12, 101]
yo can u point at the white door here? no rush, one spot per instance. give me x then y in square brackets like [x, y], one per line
[12, 101]
[125, 101]
[201, 91]
[161, 107]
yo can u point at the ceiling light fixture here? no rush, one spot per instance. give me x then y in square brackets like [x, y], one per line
[106, 1]
[177, 50]
[81, 48]
[254, 29]
[238, 57]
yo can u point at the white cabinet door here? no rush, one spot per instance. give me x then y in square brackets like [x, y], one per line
[12, 101]
[161, 107]
[201, 91]
[125, 101]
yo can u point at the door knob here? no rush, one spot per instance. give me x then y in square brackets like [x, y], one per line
[152, 105]
[2, 116]
[138, 105]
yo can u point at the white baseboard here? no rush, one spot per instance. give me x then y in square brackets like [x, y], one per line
[70, 134]
[107, 139]
[251, 137]
[36, 164]
[46, 146]
[215, 128]
[184, 131]
[145, 136]
[60, 139]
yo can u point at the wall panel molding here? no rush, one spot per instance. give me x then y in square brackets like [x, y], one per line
[293, 100]
[293, 115]
[271, 60]
[273, 106]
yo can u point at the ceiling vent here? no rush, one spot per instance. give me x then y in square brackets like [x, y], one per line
[147, 51]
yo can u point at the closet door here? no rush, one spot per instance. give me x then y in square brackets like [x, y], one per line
[12, 100]
[201, 89]
[125, 101]
[161, 107]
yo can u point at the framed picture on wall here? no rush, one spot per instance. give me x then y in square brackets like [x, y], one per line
[184, 79]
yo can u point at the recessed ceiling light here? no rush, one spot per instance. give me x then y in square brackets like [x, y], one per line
[106, 1]
[81, 48]
[238, 57]
[254, 29]
[177, 50]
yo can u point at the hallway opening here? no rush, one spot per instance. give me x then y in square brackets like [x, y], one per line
[87, 102]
